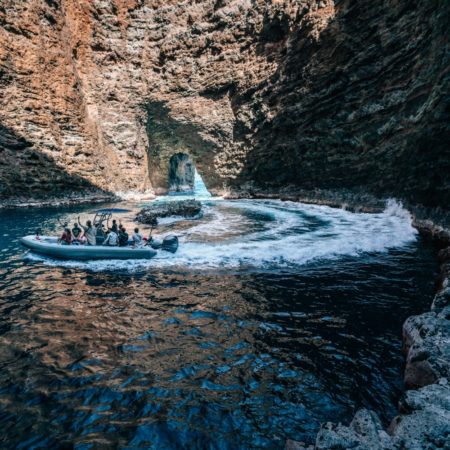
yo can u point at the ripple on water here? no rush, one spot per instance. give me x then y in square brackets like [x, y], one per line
[216, 346]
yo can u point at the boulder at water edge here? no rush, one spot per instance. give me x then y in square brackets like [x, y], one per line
[182, 208]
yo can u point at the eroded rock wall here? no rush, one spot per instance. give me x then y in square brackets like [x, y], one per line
[260, 94]
[364, 104]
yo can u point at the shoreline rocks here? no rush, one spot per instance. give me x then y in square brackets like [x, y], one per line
[182, 208]
[66, 200]
[427, 343]
[424, 424]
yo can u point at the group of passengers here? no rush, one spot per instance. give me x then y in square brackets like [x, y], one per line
[116, 236]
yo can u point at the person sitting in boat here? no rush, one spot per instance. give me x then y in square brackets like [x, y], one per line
[111, 240]
[90, 231]
[137, 238]
[123, 236]
[114, 226]
[66, 237]
[76, 235]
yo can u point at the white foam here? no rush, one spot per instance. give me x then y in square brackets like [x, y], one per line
[294, 234]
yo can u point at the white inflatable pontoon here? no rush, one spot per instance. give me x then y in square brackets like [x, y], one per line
[47, 245]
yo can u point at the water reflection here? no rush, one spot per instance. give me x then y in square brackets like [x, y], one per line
[185, 359]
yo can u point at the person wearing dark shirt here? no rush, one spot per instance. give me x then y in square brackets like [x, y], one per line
[123, 237]
[114, 226]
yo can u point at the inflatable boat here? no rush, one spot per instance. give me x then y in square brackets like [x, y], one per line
[49, 246]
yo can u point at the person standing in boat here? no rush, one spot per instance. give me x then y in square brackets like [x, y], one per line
[111, 240]
[137, 238]
[114, 226]
[90, 231]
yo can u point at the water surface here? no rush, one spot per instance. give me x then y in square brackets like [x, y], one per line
[272, 318]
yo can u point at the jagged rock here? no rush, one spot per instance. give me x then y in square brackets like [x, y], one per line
[182, 208]
[444, 255]
[274, 93]
[181, 173]
[427, 343]
[442, 298]
[294, 445]
[424, 425]
[426, 422]
[365, 432]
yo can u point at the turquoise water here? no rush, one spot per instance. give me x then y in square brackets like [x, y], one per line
[200, 189]
[272, 318]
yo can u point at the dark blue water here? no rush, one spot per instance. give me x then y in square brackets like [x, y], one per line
[191, 356]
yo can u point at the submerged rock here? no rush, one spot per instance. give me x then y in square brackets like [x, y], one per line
[182, 208]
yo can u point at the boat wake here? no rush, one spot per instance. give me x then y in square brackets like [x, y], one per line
[268, 235]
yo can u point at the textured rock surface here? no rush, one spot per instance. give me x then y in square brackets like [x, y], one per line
[425, 425]
[427, 337]
[427, 341]
[183, 208]
[364, 432]
[317, 94]
[181, 173]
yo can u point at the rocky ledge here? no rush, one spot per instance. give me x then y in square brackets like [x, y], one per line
[71, 198]
[424, 420]
[182, 208]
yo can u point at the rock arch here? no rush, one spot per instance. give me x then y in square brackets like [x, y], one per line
[169, 133]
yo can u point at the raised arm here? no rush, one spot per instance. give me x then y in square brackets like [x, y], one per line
[81, 225]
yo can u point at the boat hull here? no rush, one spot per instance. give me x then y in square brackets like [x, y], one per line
[49, 246]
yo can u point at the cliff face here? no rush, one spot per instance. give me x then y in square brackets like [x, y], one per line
[328, 94]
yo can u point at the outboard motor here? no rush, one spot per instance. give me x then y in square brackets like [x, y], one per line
[170, 244]
[155, 244]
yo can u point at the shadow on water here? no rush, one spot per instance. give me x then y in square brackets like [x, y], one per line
[187, 359]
